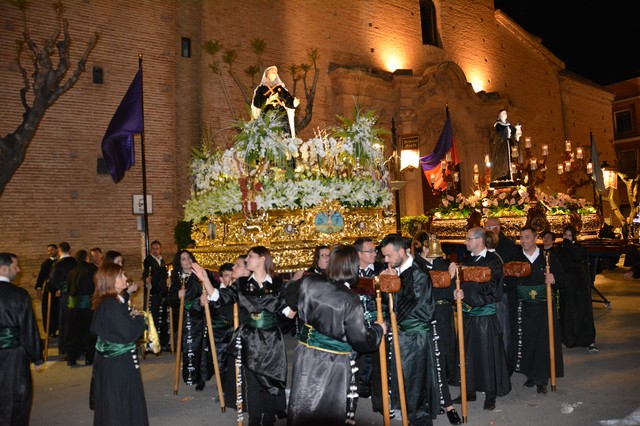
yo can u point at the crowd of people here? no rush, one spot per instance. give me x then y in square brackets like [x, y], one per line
[332, 313]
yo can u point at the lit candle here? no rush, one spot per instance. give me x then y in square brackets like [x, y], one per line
[571, 156]
[589, 168]
[456, 177]
[567, 166]
[475, 168]
[545, 150]
[560, 169]
[448, 156]
[534, 164]
[443, 165]
[432, 178]
[567, 146]
[514, 169]
[527, 142]
[486, 160]
[476, 179]
[579, 153]
[514, 151]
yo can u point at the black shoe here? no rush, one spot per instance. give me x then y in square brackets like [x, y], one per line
[458, 400]
[88, 362]
[282, 414]
[72, 363]
[489, 403]
[529, 383]
[453, 417]
[541, 389]
[200, 386]
[166, 348]
[442, 410]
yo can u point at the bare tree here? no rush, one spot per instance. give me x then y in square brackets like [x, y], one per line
[47, 83]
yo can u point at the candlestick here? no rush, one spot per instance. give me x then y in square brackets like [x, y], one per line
[589, 168]
[567, 146]
[534, 164]
[443, 165]
[447, 156]
[579, 153]
[545, 150]
[487, 162]
[514, 151]
[527, 142]
[456, 177]
[476, 179]
[475, 168]
[432, 178]
[567, 166]
[560, 169]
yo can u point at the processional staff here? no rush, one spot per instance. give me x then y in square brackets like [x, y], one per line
[552, 348]
[463, 368]
[214, 354]
[176, 377]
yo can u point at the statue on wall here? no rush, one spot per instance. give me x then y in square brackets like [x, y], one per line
[272, 94]
[506, 137]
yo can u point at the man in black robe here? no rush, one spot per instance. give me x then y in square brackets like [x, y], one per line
[59, 285]
[81, 288]
[415, 307]
[533, 346]
[272, 95]
[506, 137]
[42, 289]
[155, 275]
[506, 308]
[485, 359]
[20, 344]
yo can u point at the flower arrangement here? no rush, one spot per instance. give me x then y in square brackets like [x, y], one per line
[504, 203]
[266, 169]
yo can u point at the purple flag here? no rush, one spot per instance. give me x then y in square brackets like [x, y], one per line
[117, 144]
[431, 164]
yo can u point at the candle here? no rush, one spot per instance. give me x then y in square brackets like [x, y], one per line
[545, 150]
[534, 164]
[567, 146]
[475, 168]
[579, 153]
[527, 142]
[514, 151]
[432, 178]
[443, 165]
[560, 169]
[514, 169]
[486, 160]
[448, 156]
[476, 179]
[456, 177]
[589, 168]
[567, 166]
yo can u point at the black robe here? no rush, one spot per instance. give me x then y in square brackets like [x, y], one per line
[576, 309]
[485, 358]
[81, 288]
[414, 303]
[42, 283]
[117, 394]
[197, 362]
[59, 281]
[262, 354]
[500, 151]
[532, 351]
[321, 379]
[158, 304]
[507, 309]
[17, 320]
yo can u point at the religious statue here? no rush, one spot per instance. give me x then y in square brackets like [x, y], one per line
[272, 94]
[506, 138]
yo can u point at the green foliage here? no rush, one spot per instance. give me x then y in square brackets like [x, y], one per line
[182, 234]
[412, 224]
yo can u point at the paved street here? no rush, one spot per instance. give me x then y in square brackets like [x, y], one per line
[601, 388]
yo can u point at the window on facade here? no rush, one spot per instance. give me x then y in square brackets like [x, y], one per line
[624, 122]
[627, 161]
[429, 23]
[186, 47]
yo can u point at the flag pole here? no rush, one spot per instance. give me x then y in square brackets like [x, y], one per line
[144, 166]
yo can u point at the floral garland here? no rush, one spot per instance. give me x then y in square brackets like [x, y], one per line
[514, 203]
[344, 164]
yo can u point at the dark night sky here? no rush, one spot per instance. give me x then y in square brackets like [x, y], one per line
[599, 41]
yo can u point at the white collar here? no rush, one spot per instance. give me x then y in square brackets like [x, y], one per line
[406, 265]
[483, 253]
[5, 279]
[534, 256]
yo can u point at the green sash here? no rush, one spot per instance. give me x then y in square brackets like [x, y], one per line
[414, 326]
[264, 319]
[312, 339]
[532, 293]
[110, 349]
[79, 302]
[481, 311]
[9, 337]
[220, 323]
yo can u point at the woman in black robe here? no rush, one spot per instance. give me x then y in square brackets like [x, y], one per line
[258, 341]
[197, 363]
[117, 395]
[576, 309]
[333, 326]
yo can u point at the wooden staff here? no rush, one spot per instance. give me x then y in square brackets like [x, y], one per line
[176, 377]
[170, 270]
[552, 346]
[384, 377]
[148, 291]
[396, 349]
[236, 324]
[463, 367]
[212, 346]
[45, 352]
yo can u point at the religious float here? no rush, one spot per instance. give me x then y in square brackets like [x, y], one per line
[287, 194]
